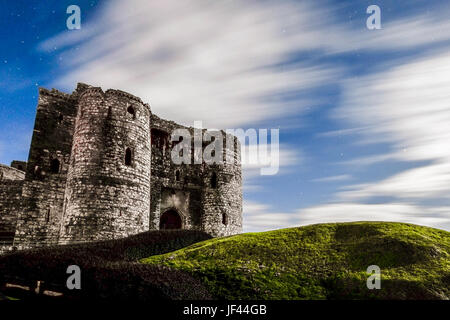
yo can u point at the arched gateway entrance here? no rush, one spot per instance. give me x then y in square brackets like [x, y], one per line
[170, 220]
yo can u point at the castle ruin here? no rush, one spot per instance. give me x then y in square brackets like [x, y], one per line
[100, 167]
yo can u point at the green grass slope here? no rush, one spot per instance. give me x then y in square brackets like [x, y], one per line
[324, 261]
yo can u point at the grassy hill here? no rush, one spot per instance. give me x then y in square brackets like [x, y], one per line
[324, 261]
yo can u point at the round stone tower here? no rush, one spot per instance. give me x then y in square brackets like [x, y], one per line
[108, 184]
[222, 193]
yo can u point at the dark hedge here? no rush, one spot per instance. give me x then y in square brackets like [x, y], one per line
[108, 268]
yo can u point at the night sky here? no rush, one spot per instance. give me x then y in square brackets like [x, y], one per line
[363, 115]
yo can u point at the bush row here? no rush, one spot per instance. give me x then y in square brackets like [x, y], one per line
[108, 268]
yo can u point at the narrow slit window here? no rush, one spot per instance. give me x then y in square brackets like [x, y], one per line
[128, 156]
[224, 219]
[55, 166]
[177, 175]
[214, 180]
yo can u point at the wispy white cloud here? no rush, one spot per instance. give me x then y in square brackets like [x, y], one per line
[397, 212]
[260, 217]
[369, 160]
[408, 108]
[218, 61]
[223, 61]
[427, 182]
[340, 132]
[404, 105]
[285, 156]
[288, 158]
[342, 177]
[411, 32]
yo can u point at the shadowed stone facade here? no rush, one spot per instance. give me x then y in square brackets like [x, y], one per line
[100, 167]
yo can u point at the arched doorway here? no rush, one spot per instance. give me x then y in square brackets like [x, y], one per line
[170, 220]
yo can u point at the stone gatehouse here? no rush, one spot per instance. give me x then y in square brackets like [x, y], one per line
[100, 167]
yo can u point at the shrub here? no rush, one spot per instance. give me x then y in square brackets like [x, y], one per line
[108, 267]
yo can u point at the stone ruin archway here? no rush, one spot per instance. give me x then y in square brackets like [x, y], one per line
[170, 219]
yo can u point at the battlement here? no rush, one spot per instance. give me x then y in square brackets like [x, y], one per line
[124, 94]
[91, 91]
[84, 89]
[56, 94]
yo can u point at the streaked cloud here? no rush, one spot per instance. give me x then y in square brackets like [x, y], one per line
[406, 107]
[260, 217]
[396, 212]
[342, 177]
[340, 132]
[221, 62]
[228, 64]
[411, 32]
[288, 158]
[368, 160]
[285, 157]
[224, 62]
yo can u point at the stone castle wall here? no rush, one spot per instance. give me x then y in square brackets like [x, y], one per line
[188, 188]
[46, 172]
[106, 197]
[10, 206]
[100, 167]
[174, 187]
[222, 194]
[11, 184]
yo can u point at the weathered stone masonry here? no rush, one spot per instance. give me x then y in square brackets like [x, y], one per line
[10, 201]
[100, 167]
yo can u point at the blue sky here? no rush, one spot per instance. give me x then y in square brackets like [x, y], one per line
[363, 114]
